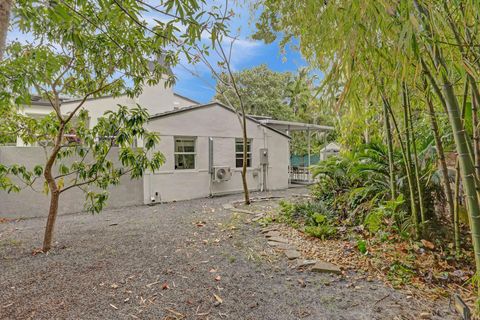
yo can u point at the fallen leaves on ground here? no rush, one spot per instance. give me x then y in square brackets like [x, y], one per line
[398, 263]
[218, 299]
[427, 244]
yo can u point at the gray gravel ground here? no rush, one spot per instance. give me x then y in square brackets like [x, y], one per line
[117, 265]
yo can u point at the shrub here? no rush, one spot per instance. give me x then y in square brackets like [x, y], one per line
[323, 231]
[318, 221]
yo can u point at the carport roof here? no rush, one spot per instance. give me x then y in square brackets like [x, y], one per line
[294, 126]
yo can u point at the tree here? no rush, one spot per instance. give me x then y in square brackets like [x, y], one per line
[411, 57]
[263, 90]
[89, 49]
[280, 95]
[5, 7]
[223, 74]
[300, 92]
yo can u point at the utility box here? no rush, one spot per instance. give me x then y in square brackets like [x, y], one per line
[263, 156]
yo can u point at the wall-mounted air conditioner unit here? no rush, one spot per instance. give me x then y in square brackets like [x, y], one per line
[221, 174]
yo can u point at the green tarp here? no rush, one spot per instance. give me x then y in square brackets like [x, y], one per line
[302, 161]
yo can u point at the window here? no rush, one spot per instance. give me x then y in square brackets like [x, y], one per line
[239, 153]
[184, 153]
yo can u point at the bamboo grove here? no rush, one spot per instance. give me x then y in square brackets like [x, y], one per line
[400, 71]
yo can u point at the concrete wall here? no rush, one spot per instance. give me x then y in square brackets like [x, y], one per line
[29, 203]
[223, 126]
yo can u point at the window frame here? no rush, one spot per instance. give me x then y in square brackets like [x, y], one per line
[249, 152]
[179, 153]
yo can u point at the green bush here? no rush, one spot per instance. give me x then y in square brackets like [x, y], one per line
[362, 246]
[373, 221]
[324, 231]
[318, 221]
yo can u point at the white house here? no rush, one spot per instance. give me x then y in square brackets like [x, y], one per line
[156, 99]
[331, 149]
[203, 147]
[197, 139]
[202, 144]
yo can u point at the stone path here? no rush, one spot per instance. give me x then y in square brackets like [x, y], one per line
[275, 239]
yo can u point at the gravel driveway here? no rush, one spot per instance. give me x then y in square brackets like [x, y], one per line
[183, 260]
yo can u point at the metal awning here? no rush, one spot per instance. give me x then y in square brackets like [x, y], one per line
[289, 126]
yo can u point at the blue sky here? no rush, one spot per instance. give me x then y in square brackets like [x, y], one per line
[245, 56]
[247, 53]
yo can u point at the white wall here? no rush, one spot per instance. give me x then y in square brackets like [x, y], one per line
[180, 101]
[156, 99]
[223, 126]
[30, 203]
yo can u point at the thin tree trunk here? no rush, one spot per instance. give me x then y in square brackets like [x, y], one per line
[391, 169]
[416, 165]
[405, 161]
[5, 8]
[456, 227]
[54, 190]
[52, 217]
[408, 161]
[245, 154]
[475, 124]
[441, 155]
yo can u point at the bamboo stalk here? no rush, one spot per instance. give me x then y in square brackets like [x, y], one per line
[416, 164]
[404, 156]
[440, 154]
[408, 159]
[391, 169]
[456, 227]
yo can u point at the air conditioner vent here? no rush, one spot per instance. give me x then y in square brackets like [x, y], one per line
[221, 174]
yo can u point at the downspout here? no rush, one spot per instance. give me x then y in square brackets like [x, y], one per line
[264, 168]
[309, 147]
[289, 156]
[210, 164]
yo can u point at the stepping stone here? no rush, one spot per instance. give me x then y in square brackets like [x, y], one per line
[326, 267]
[278, 239]
[280, 245]
[268, 229]
[292, 254]
[271, 234]
[306, 263]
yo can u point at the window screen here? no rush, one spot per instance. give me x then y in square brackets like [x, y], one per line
[239, 152]
[184, 153]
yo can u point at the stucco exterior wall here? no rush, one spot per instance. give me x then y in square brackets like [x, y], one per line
[223, 127]
[156, 99]
[180, 101]
[29, 203]
[97, 107]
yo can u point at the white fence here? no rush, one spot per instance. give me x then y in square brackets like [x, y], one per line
[30, 203]
[300, 175]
